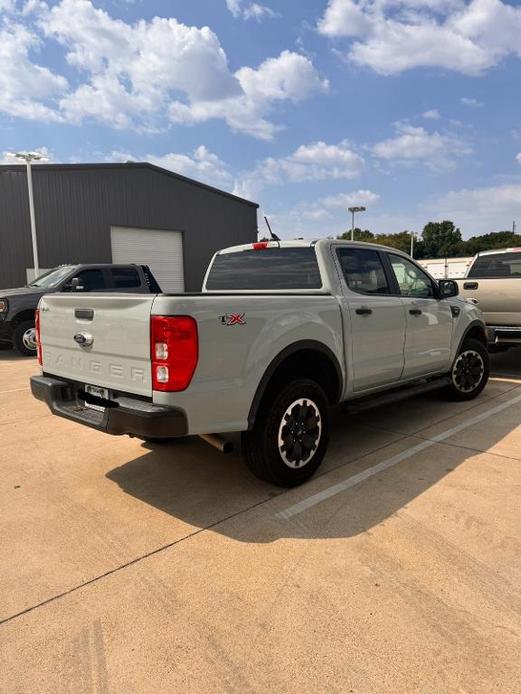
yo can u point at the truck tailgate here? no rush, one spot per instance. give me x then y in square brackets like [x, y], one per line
[119, 326]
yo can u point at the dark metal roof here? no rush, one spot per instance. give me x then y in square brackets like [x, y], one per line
[127, 165]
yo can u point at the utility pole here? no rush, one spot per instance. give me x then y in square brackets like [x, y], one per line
[514, 226]
[353, 210]
[412, 244]
[29, 157]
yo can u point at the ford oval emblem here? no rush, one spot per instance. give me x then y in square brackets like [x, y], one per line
[84, 339]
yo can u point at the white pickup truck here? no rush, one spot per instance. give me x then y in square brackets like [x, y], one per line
[493, 282]
[280, 332]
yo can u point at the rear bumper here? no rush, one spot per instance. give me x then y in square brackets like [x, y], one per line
[125, 415]
[504, 334]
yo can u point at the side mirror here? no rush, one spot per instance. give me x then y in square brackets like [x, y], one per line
[448, 288]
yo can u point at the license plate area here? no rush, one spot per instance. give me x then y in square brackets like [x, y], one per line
[96, 398]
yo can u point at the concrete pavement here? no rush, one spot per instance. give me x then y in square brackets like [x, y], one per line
[130, 568]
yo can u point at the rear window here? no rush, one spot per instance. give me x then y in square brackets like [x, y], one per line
[497, 265]
[268, 268]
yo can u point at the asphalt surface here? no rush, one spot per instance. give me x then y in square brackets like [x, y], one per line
[131, 568]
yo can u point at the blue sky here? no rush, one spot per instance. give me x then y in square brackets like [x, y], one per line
[409, 107]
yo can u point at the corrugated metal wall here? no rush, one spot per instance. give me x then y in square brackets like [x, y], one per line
[76, 206]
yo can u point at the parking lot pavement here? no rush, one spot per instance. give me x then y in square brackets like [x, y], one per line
[130, 568]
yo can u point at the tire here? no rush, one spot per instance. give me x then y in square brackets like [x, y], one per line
[288, 440]
[470, 371]
[24, 336]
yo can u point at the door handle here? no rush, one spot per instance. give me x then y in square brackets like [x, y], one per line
[470, 285]
[415, 312]
[363, 311]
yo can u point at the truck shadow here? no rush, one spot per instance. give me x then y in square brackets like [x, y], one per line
[7, 353]
[197, 485]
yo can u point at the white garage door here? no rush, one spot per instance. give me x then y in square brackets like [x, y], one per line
[162, 251]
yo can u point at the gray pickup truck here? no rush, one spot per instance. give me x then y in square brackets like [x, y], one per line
[17, 306]
[280, 332]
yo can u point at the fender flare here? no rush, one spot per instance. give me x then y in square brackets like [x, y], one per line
[295, 347]
[471, 326]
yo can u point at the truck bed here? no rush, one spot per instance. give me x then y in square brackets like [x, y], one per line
[239, 334]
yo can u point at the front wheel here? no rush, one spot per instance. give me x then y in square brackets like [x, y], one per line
[470, 371]
[24, 338]
[289, 438]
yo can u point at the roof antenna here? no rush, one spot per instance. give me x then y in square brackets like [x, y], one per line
[274, 237]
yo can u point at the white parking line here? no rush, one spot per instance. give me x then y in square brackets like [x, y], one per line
[389, 462]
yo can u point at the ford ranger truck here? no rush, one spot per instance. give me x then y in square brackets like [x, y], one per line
[493, 282]
[281, 332]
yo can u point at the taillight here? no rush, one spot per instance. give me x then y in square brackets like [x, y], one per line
[259, 245]
[37, 336]
[174, 351]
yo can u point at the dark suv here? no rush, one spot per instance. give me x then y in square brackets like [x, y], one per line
[17, 306]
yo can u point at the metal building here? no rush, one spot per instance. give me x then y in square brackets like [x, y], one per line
[132, 212]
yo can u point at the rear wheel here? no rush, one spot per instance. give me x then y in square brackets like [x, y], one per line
[470, 371]
[24, 338]
[289, 438]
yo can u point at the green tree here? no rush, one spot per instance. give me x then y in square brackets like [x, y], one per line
[401, 240]
[359, 235]
[442, 240]
[494, 240]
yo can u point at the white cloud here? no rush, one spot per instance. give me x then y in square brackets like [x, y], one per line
[324, 217]
[391, 36]
[518, 158]
[431, 114]
[481, 210]
[312, 162]
[345, 200]
[320, 160]
[27, 90]
[252, 10]
[289, 77]
[345, 18]
[415, 144]
[473, 103]
[201, 165]
[141, 75]
[133, 69]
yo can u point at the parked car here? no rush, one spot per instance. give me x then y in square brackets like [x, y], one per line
[493, 282]
[17, 306]
[280, 332]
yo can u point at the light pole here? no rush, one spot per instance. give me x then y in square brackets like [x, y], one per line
[29, 157]
[353, 210]
[413, 235]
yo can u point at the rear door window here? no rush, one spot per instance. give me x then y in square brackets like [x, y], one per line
[124, 278]
[496, 265]
[92, 280]
[267, 268]
[363, 270]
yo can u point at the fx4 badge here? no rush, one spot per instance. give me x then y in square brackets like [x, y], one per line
[233, 319]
